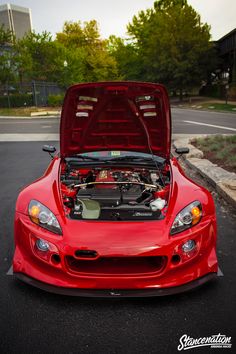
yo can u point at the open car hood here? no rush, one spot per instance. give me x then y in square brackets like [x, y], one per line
[131, 116]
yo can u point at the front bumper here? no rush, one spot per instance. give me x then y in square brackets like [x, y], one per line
[171, 279]
[120, 292]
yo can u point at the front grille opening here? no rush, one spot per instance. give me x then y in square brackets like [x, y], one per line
[117, 265]
[85, 254]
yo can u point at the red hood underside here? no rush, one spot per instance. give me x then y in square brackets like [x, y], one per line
[130, 116]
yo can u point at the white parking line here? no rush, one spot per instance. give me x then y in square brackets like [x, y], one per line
[10, 271]
[28, 137]
[210, 125]
[20, 118]
[24, 121]
[21, 122]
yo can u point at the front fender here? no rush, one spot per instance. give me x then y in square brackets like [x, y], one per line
[45, 189]
[184, 191]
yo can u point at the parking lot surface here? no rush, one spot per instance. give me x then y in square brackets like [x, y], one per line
[33, 321]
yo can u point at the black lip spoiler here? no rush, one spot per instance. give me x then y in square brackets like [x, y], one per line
[118, 293]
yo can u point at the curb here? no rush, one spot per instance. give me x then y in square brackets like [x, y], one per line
[223, 181]
[29, 137]
[202, 109]
[30, 117]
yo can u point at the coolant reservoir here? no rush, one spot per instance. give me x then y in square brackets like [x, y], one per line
[91, 209]
[157, 204]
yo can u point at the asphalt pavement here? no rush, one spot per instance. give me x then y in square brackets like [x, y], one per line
[32, 321]
[184, 121]
[189, 121]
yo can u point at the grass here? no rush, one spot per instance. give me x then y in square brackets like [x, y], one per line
[219, 149]
[209, 104]
[25, 111]
[215, 106]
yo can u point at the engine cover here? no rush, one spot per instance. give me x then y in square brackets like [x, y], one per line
[110, 196]
[123, 212]
[126, 212]
[104, 196]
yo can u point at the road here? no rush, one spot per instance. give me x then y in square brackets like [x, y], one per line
[184, 121]
[32, 321]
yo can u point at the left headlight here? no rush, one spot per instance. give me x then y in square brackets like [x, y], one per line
[188, 217]
[42, 216]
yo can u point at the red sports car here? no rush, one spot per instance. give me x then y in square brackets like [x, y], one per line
[114, 214]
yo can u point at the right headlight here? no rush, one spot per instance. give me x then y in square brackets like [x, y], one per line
[187, 217]
[42, 216]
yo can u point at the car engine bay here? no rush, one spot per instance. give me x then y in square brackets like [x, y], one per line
[114, 193]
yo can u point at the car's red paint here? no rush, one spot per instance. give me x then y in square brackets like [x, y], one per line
[128, 125]
[114, 239]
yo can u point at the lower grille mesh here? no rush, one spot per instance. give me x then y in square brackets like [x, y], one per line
[117, 265]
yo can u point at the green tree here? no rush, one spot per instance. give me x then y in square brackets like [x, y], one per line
[6, 36]
[76, 35]
[127, 57]
[23, 61]
[38, 57]
[173, 44]
[87, 56]
[39, 52]
[78, 54]
[7, 67]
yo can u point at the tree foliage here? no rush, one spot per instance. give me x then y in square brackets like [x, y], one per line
[76, 35]
[7, 70]
[78, 54]
[6, 36]
[172, 43]
[167, 43]
[6, 56]
[127, 58]
[87, 56]
[35, 55]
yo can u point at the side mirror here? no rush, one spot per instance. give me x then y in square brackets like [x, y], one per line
[181, 151]
[50, 149]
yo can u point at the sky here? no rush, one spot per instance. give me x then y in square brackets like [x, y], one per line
[113, 16]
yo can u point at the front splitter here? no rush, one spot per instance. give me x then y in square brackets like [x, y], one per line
[117, 292]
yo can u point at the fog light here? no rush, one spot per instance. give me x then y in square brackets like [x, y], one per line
[189, 246]
[42, 245]
[175, 259]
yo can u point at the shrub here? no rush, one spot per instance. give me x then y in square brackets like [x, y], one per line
[55, 100]
[16, 100]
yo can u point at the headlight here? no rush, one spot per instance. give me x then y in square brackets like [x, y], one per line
[43, 217]
[189, 216]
